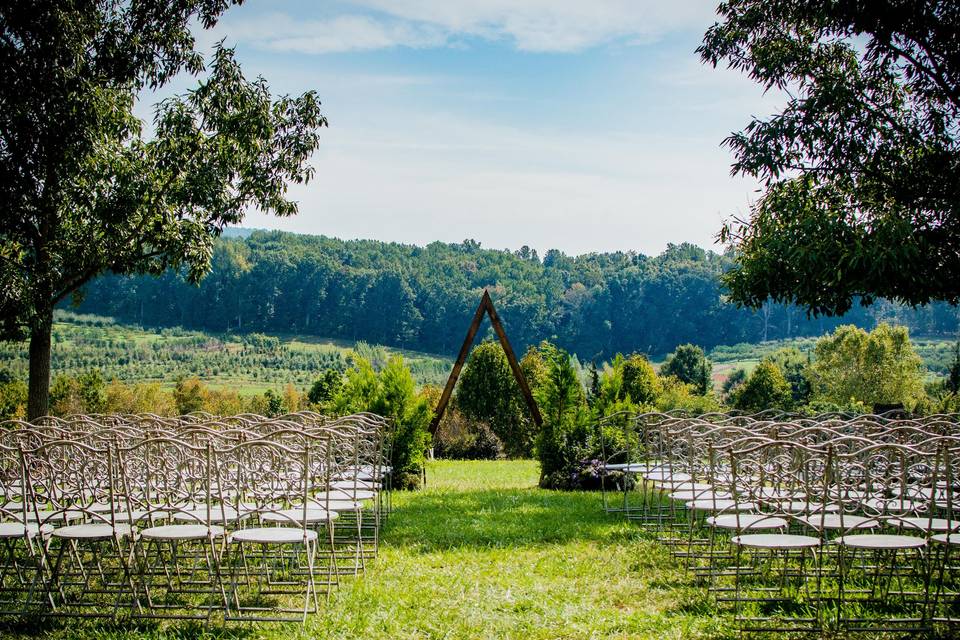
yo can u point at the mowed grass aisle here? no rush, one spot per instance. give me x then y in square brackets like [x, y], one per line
[483, 553]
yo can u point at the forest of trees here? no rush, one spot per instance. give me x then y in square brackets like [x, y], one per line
[422, 298]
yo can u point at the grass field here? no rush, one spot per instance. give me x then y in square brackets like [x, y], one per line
[936, 353]
[483, 553]
[253, 363]
[249, 364]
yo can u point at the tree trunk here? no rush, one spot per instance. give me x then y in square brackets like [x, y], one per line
[38, 396]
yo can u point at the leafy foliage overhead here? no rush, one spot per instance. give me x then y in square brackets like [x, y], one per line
[862, 166]
[83, 186]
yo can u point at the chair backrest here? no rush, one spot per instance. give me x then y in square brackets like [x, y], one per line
[67, 480]
[264, 476]
[165, 475]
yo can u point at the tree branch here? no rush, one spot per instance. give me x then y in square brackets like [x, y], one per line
[935, 74]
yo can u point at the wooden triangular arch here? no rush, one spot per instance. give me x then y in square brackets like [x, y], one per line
[485, 306]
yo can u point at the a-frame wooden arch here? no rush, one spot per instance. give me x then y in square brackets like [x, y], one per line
[485, 307]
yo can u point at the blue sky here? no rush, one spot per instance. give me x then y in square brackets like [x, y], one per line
[582, 126]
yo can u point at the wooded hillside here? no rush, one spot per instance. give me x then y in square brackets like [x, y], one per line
[594, 305]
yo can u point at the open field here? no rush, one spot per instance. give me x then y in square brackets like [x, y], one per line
[248, 363]
[253, 363]
[483, 553]
[936, 353]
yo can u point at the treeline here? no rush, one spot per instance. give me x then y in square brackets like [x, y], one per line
[422, 298]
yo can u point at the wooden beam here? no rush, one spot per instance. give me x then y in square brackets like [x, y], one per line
[512, 359]
[458, 365]
[485, 306]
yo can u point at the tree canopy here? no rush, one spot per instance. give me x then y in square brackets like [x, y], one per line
[489, 392]
[85, 188]
[594, 305]
[862, 166]
[766, 388]
[876, 368]
[689, 365]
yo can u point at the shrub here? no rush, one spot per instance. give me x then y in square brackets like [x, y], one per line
[225, 402]
[734, 380]
[190, 395]
[488, 393]
[952, 382]
[589, 475]
[13, 397]
[879, 367]
[146, 397]
[564, 439]
[459, 437]
[273, 402]
[293, 400]
[795, 366]
[411, 417]
[391, 394]
[676, 395]
[325, 387]
[614, 438]
[84, 393]
[640, 381]
[689, 365]
[766, 388]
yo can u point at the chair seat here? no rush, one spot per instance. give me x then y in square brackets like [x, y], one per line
[92, 531]
[339, 505]
[892, 505]
[946, 538]
[720, 505]
[344, 494]
[925, 524]
[833, 521]
[637, 467]
[881, 541]
[626, 467]
[775, 541]
[367, 469]
[692, 486]
[18, 530]
[293, 516]
[747, 522]
[101, 507]
[273, 535]
[699, 494]
[801, 506]
[217, 514]
[56, 516]
[181, 532]
[138, 514]
[358, 484]
[666, 476]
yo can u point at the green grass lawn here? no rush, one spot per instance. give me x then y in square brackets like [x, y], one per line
[482, 553]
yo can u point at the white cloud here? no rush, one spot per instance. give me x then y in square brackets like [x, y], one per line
[280, 32]
[553, 25]
[530, 25]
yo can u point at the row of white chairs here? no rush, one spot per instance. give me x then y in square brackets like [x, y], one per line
[243, 517]
[815, 525]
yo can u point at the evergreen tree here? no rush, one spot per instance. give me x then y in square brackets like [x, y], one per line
[689, 365]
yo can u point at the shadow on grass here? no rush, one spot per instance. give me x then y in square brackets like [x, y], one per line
[434, 521]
